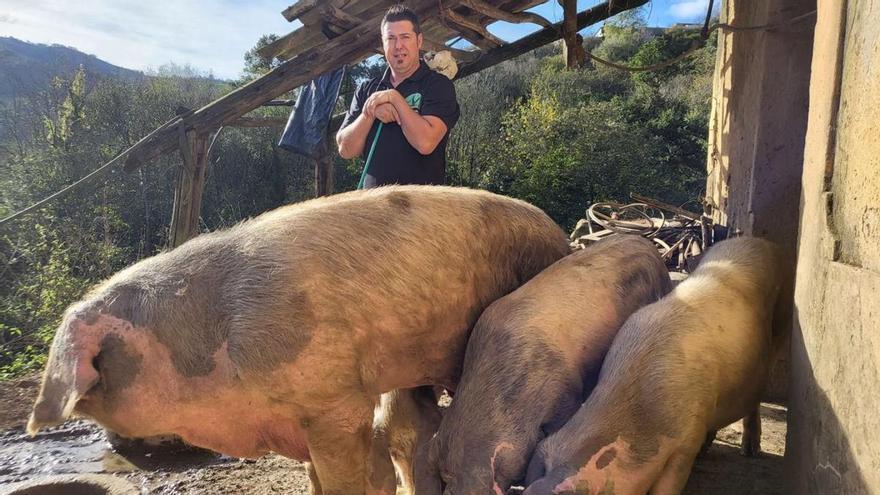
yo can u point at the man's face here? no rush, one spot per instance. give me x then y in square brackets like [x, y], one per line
[401, 45]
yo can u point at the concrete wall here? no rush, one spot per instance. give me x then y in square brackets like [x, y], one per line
[757, 131]
[833, 441]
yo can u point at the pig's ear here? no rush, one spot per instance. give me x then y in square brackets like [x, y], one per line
[69, 374]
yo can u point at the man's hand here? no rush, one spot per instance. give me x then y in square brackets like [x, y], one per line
[378, 98]
[386, 113]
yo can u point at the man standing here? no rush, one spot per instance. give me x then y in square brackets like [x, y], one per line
[415, 105]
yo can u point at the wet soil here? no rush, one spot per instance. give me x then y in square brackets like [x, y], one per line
[81, 447]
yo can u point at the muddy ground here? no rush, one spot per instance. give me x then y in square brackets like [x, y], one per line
[80, 447]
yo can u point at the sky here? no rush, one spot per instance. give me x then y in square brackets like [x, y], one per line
[213, 35]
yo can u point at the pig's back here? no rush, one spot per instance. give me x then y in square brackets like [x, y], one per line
[580, 301]
[701, 342]
[406, 270]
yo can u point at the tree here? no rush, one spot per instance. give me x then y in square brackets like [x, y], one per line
[60, 127]
[255, 65]
[583, 136]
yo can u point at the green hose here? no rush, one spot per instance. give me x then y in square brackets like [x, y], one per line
[415, 102]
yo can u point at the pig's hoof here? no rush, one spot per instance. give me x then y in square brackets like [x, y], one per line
[751, 447]
[74, 484]
[707, 443]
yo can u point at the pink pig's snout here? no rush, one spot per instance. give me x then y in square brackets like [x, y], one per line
[69, 374]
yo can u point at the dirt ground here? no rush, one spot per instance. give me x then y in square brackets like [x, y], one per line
[80, 447]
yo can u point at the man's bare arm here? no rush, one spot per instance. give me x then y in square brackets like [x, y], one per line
[423, 133]
[352, 139]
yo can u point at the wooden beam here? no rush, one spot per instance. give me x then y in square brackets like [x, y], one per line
[473, 31]
[351, 46]
[288, 43]
[338, 17]
[299, 8]
[475, 39]
[190, 187]
[459, 55]
[548, 35]
[494, 12]
[309, 35]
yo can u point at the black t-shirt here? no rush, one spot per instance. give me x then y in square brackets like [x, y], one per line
[395, 161]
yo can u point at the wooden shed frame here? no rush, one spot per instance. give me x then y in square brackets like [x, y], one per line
[339, 32]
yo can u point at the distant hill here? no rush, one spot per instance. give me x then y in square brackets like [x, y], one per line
[26, 67]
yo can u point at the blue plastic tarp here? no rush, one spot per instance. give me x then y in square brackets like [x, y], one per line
[306, 128]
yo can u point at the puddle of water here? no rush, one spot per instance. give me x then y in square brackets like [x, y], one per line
[82, 447]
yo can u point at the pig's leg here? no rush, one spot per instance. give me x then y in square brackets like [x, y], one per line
[427, 475]
[315, 483]
[339, 443]
[380, 469]
[707, 443]
[751, 439]
[675, 474]
[408, 419]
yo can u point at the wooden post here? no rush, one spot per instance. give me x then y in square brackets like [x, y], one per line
[324, 168]
[190, 186]
[573, 49]
[324, 175]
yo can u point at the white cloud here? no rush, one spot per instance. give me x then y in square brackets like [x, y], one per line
[211, 35]
[690, 10]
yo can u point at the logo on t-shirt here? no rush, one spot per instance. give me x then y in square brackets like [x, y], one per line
[415, 101]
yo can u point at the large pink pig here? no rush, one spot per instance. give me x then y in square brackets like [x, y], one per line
[281, 333]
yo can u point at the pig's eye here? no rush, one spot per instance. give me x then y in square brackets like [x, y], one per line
[99, 383]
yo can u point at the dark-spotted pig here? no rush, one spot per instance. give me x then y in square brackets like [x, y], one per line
[531, 359]
[678, 370]
[281, 333]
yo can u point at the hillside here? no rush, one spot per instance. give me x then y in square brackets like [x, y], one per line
[25, 67]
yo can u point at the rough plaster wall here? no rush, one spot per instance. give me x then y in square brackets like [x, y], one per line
[833, 443]
[758, 121]
[757, 131]
[735, 106]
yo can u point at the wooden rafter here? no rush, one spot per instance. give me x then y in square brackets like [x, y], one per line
[299, 8]
[430, 45]
[472, 31]
[310, 35]
[494, 12]
[339, 17]
[286, 44]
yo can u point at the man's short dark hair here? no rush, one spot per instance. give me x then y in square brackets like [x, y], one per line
[400, 12]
